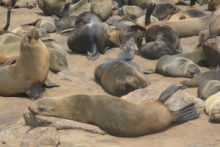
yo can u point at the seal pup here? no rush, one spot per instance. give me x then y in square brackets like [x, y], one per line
[47, 23]
[196, 81]
[8, 21]
[120, 76]
[25, 4]
[160, 40]
[112, 114]
[209, 87]
[177, 67]
[89, 29]
[212, 107]
[30, 71]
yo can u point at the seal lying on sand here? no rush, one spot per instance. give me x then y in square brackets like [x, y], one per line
[116, 116]
[30, 71]
[89, 29]
[212, 107]
[160, 40]
[120, 76]
[209, 87]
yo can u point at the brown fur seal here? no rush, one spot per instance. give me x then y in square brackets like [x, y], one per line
[213, 4]
[177, 67]
[196, 81]
[102, 8]
[212, 107]
[57, 58]
[25, 4]
[22, 30]
[116, 116]
[8, 21]
[47, 23]
[209, 87]
[120, 76]
[160, 40]
[191, 12]
[89, 29]
[30, 71]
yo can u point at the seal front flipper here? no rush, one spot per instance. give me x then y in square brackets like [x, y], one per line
[35, 91]
[10, 61]
[8, 20]
[149, 71]
[168, 92]
[93, 53]
[185, 114]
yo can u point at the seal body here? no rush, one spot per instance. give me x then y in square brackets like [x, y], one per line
[213, 4]
[208, 88]
[160, 40]
[47, 23]
[30, 71]
[89, 29]
[177, 67]
[50, 7]
[116, 116]
[212, 107]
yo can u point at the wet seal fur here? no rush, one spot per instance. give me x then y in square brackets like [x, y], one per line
[209, 87]
[121, 75]
[212, 107]
[160, 40]
[177, 67]
[30, 71]
[112, 114]
[89, 29]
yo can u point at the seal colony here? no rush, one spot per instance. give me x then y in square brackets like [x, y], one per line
[134, 28]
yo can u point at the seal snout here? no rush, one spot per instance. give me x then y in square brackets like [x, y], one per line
[31, 110]
[36, 33]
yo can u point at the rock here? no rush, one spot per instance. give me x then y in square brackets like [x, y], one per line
[41, 136]
[6, 134]
[211, 50]
[152, 92]
[59, 123]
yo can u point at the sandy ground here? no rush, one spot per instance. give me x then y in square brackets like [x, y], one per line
[196, 133]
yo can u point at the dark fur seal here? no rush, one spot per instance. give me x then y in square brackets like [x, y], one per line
[116, 116]
[160, 40]
[89, 36]
[120, 76]
[30, 71]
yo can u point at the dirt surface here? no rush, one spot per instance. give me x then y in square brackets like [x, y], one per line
[79, 78]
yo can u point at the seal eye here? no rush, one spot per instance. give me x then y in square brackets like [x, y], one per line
[41, 109]
[29, 39]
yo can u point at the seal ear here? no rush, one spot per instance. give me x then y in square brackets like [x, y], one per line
[92, 53]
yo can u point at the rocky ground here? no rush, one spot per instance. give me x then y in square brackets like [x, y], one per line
[79, 78]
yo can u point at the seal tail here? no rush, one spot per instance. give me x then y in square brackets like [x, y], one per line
[168, 92]
[185, 114]
[8, 20]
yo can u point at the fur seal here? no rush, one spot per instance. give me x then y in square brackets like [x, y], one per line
[213, 4]
[196, 81]
[177, 67]
[160, 40]
[8, 21]
[31, 68]
[47, 23]
[134, 10]
[102, 8]
[22, 30]
[116, 116]
[209, 87]
[89, 29]
[25, 4]
[120, 76]
[212, 107]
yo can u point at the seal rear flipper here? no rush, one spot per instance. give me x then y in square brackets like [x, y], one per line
[66, 10]
[149, 71]
[93, 53]
[33, 23]
[35, 91]
[168, 92]
[185, 114]
[8, 20]
[10, 61]
[217, 73]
